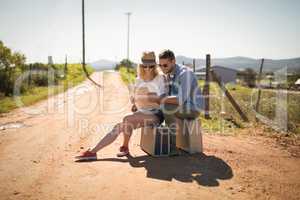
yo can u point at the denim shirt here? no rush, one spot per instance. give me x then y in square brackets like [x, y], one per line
[184, 85]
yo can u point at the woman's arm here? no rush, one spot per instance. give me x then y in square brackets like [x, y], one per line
[153, 97]
[133, 107]
[132, 100]
[169, 100]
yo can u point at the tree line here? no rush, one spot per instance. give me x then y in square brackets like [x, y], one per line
[13, 65]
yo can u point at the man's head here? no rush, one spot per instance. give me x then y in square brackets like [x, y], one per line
[167, 61]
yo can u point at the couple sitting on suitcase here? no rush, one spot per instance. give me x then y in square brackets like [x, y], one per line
[157, 97]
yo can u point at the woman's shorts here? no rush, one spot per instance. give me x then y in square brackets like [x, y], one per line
[159, 114]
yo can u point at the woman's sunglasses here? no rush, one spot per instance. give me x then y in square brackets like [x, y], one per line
[150, 67]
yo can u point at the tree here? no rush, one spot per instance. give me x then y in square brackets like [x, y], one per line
[125, 63]
[11, 63]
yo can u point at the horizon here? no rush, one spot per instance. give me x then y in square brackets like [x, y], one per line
[104, 59]
[257, 29]
[117, 61]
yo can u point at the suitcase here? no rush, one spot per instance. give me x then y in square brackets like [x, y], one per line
[189, 136]
[158, 140]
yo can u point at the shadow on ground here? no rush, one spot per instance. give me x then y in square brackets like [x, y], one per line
[205, 170]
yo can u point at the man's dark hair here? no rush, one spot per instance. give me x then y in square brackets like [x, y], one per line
[166, 54]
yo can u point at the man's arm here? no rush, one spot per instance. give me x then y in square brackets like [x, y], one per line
[184, 90]
[185, 87]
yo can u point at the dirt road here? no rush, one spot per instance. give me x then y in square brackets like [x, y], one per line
[37, 158]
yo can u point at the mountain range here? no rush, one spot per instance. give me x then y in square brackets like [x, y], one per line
[238, 63]
[103, 64]
[241, 63]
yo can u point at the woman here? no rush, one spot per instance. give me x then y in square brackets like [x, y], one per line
[149, 90]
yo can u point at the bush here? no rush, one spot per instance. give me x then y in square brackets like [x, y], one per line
[125, 63]
[128, 75]
[248, 76]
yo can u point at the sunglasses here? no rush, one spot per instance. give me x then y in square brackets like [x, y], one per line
[150, 67]
[164, 65]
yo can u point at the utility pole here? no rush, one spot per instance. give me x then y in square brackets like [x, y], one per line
[83, 47]
[128, 31]
[83, 36]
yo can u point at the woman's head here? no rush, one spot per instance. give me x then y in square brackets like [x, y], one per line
[148, 68]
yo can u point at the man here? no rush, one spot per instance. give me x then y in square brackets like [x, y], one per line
[184, 100]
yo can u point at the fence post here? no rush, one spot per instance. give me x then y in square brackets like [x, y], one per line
[259, 86]
[66, 66]
[194, 65]
[29, 77]
[206, 88]
[230, 98]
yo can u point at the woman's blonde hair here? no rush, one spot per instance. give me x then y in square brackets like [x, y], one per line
[141, 72]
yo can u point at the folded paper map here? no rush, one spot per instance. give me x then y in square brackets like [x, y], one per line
[141, 99]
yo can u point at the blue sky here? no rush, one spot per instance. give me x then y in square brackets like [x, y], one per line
[223, 28]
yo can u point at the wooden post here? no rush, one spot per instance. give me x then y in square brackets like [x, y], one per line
[194, 65]
[259, 86]
[230, 98]
[29, 77]
[66, 65]
[206, 88]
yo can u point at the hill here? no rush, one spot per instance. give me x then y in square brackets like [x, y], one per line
[240, 63]
[103, 64]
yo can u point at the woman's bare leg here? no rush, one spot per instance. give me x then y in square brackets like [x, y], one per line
[134, 121]
[108, 138]
[130, 122]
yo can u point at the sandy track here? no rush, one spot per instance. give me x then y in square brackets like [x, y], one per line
[37, 160]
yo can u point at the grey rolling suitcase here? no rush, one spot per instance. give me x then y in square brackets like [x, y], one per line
[158, 140]
[189, 136]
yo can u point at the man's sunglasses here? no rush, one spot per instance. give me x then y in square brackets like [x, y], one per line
[150, 67]
[164, 65]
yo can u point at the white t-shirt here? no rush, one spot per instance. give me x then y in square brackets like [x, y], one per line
[156, 85]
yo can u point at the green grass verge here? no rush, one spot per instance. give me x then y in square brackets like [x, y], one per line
[35, 94]
[127, 75]
[246, 98]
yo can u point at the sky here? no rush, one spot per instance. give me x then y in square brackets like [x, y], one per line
[193, 28]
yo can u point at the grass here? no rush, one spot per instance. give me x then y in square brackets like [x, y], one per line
[127, 75]
[35, 94]
[246, 98]
[218, 122]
